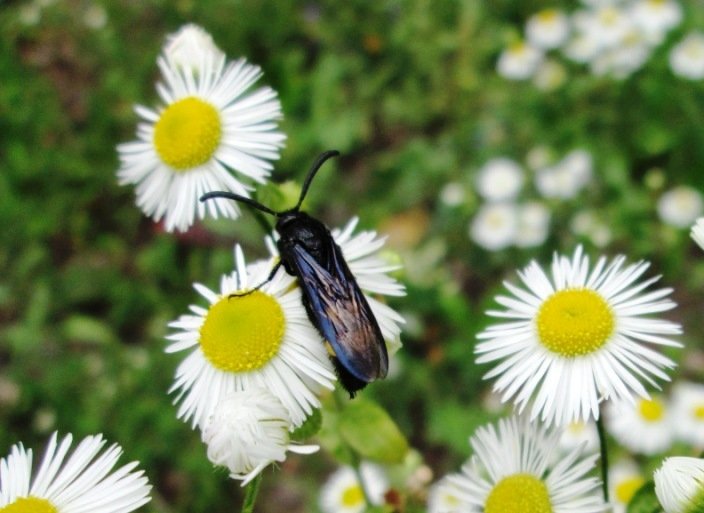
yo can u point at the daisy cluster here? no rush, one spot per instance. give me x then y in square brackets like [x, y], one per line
[504, 220]
[613, 38]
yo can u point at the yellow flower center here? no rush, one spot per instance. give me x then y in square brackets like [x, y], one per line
[517, 48]
[187, 133]
[353, 496]
[547, 16]
[574, 322]
[519, 492]
[576, 428]
[242, 333]
[698, 411]
[29, 505]
[627, 488]
[609, 15]
[651, 410]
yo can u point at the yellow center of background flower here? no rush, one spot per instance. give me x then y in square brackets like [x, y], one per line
[29, 505]
[547, 16]
[242, 333]
[187, 133]
[574, 322]
[698, 411]
[519, 492]
[627, 488]
[651, 410]
[353, 496]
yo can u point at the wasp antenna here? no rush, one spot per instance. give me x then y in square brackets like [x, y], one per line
[237, 197]
[311, 174]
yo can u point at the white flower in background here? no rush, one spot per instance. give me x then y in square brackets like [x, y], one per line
[519, 61]
[577, 337]
[494, 226]
[249, 338]
[453, 194]
[533, 224]
[247, 431]
[187, 47]
[342, 492]
[625, 59]
[567, 178]
[211, 131]
[81, 482]
[443, 497]
[514, 468]
[582, 48]
[688, 413]
[654, 18]
[679, 484]
[539, 157]
[580, 433]
[697, 232]
[625, 478]
[687, 57]
[362, 254]
[499, 179]
[680, 206]
[608, 25]
[550, 75]
[587, 224]
[644, 427]
[547, 29]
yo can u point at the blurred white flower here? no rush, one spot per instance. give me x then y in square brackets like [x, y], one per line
[608, 25]
[342, 492]
[587, 224]
[656, 17]
[567, 178]
[499, 179]
[539, 157]
[519, 61]
[697, 232]
[453, 194]
[625, 478]
[680, 206]
[643, 427]
[247, 431]
[579, 433]
[687, 57]
[679, 484]
[582, 48]
[188, 46]
[443, 497]
[533, 224]
[550, 75]
[625, 59]
[688, 413]
[95, 16]
[494, 226]
[547, 29]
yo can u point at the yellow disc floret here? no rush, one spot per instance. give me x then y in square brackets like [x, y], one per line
[627, 488]
[574, 322]
[698, 411]
[519, 492]
[651, 410]
[29, 505]
[353, 496]
[187, 133]
[242, 333]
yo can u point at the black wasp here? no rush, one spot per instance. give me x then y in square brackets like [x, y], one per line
[332, 298]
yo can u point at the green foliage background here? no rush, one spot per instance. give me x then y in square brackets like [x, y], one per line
[407, 91]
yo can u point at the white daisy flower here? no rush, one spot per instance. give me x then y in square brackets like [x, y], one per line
[583, 48]
[362, 252]
[577, 337]
[191, 44]
[608, 25]
[587, 224]
[643, 428]
[548, 29]
[81, 482]
[443, 497]
[688, 412]
[697, 232]
[680, 206]
[550, 75]
[679, 484]
[625, 59]
[533, 224]
[210, 124]
[342, 492]
[656, 17]
[687, 57]
[567, 178]
[625, 478]
[580, 433]
[247, 431]
[519, 61]
[248, 338]
[453, 194]
[499, 179]
[495, 226]
[512, 470]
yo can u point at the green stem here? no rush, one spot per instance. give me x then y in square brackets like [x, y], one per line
[604, 457]
[251, 492]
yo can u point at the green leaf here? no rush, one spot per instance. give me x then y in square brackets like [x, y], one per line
[371, 432]
[644, 500]
[310, 427]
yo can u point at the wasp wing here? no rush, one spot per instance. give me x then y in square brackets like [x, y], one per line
[338, 308]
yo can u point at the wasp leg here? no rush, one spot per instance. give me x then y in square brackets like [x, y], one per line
[268, 279]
